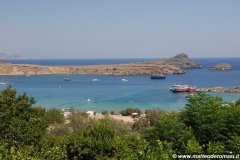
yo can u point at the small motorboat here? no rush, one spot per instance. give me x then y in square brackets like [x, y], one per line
[95, 80]
[67, 78]
[124, 80]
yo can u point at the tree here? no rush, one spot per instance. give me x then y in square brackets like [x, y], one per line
[94, 142]
[169, 128]
[238, 102]
[21, 122]
[211, 120]
[203, 114]
[54, 115]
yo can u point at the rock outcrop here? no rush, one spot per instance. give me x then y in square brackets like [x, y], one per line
[221, 67]
[181, 60]
[221, 89]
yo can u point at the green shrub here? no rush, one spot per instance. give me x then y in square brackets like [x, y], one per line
[54, 115]
[129, 111]
[104, 112]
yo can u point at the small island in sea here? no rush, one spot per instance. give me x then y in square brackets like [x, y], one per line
[221, 67]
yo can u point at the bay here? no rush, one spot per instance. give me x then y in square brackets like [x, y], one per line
[110, 93]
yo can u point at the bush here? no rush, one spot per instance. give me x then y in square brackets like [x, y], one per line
[78, 120]
[169, 128]
[54, 115]
[104, 112]
[152, 115]
[209, 120]
[129, 111]
[21, 123]
[238, 102]
[112, 112]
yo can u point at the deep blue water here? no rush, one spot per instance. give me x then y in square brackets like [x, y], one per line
[112, 94]
[55, 62]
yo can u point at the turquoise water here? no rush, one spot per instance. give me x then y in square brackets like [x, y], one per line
[110, 93]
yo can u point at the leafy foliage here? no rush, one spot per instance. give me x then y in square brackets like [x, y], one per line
[21, 123]
[53, 116]
[169, 128]
[210, 120]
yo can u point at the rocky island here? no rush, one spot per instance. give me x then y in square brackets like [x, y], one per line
[174, 65]
[221, 67]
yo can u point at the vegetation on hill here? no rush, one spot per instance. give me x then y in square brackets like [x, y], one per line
[206, 125]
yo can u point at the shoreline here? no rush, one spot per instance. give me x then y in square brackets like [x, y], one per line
[221, 89]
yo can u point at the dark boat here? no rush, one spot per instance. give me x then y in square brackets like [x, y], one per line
[159, 76]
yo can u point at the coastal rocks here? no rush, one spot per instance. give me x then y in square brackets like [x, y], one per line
[182, 61]
[221, 67]
[221, 90]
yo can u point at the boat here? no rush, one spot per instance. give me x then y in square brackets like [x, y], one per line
[67, 78]
[124, 80]
[2, 83]
[157, 76]
[95, 80]
[182, 88]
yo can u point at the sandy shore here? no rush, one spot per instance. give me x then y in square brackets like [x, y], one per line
[126, 119]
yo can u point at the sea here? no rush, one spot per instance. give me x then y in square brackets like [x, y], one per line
[110, 93]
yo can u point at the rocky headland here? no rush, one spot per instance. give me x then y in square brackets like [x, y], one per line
[174, 65]
[181, 60]
[221, 67]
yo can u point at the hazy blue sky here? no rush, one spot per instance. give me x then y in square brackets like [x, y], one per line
[120, 28]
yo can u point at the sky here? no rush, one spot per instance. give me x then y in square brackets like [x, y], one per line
[75, 29]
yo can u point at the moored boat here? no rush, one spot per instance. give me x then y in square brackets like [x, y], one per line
[158, 76]
[67, 78]
[124, 80]
[95, 80]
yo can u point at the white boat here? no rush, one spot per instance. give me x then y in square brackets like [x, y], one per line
[124, 80]
[67, 78]
[95, 80]
[2, 83]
